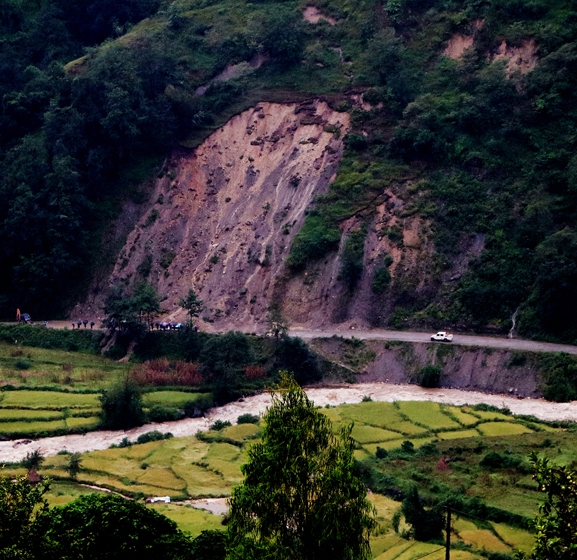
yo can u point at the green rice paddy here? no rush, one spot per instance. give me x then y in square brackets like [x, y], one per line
[185, 468]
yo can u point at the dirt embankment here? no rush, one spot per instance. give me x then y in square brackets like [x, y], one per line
[473, 369]
[223, 217]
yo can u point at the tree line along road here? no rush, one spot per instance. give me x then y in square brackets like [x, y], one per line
[408, 336]
[460, 339]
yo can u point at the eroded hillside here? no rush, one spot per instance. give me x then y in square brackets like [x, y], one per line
[223, 217]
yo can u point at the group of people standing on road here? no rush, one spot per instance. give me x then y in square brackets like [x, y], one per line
[78, 324]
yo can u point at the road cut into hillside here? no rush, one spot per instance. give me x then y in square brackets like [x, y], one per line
[13, 451]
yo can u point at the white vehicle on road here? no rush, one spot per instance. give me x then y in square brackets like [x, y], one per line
[443, 336]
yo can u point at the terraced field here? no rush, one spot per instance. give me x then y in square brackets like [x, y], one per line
[209, 466]
[389, 424]
[40, 413]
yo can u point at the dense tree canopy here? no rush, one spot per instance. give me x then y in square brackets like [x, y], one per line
[301, 498]
[108, 527]
[556, 524]
[94, 92]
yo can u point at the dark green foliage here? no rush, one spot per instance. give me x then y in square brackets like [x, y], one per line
[294, 355]
[382, 280]
[209, 545]
[430, 376]
[381, 453]
[355, 141]
[220, 425]
[33, 460]
[425, 524]
[352, 259]
[22, 364]
[159, 413]
[555, 524]
[74, 465]
[247, 419]
[222, 360]
[494, 460]
[122, 407]
[192, 304]
[76, 340]
[22, 510]
[155, 435]
[559, 378]
[285, 39]
[313, 241]
[301, 497]
[130, 309]
[108, 527]
[407, 447]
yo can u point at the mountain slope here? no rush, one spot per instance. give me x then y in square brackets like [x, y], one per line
[454, 202]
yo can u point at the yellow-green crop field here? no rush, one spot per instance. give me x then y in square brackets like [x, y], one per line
[30, 412]
[189, 468]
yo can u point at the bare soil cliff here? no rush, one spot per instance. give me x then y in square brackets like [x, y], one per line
[223, 216]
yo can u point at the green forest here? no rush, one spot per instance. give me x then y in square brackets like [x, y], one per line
[95, 93]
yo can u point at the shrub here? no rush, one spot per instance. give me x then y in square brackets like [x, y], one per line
[122, 407]
[166, 259]
[407, 446]
[159, 413]
[429, 449]
[356, 141]
[161, 372]
[294, 355]
[352, 259]
[199, 406]
[220, 425]
[381, 280]
[22, 364]
[247, 419]
[315, 239]
[155, 435]
[254, 372]
[559, 377]
[430, 376]
[494, 460]
[381, 453]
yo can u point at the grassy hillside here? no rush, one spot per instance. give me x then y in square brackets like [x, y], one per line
[480, 150]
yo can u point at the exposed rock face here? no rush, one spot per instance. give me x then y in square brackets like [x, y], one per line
[225, 215]
[313, 15]
[523, 58]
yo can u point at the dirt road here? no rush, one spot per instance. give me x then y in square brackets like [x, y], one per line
[11, 451]
[465, 340]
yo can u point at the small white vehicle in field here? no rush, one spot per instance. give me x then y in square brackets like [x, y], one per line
[443, 336]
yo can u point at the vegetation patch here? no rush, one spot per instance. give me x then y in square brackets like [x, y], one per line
[502, 429]
[427, 414]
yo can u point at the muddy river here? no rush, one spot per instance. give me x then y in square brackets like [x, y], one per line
[12, 451]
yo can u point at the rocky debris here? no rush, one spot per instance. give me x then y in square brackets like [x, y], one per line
[224, 216]
[523, 58]
[313, 15]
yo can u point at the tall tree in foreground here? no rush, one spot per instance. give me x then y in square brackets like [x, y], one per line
[301, 498]
[22, 505]
[556, 524]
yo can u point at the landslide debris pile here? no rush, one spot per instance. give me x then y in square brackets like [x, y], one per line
[226, 213]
